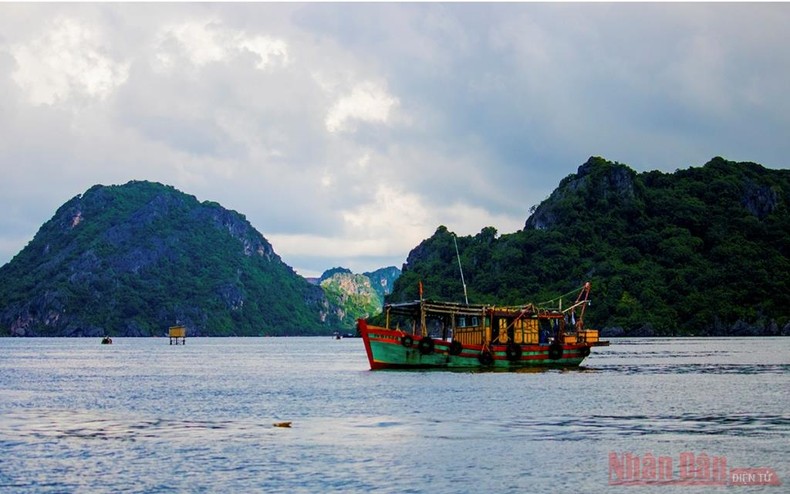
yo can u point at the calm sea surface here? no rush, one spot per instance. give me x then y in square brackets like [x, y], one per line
[143, 416]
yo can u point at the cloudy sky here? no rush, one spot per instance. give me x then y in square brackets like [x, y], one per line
[347, 133]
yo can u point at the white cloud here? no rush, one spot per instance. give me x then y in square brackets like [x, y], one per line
[382, 230]
[266, 48]
[200, 41]
[68, 60]
[208, 41]
[293, 114]
[388, 207]
[387, 225]
[368, 102]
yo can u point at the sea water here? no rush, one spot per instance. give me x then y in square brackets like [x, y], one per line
[142, 415]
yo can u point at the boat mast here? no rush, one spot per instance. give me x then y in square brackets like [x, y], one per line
[458, 256]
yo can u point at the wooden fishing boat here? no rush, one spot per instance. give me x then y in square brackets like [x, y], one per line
[456, 335]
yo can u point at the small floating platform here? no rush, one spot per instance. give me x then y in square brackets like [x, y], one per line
[178, 334]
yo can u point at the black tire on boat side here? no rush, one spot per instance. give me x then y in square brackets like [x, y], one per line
[585, 351]
[486, 358]
[455, 348]
[407, 341]
[426, 345]
[513, 352]
[555, 351]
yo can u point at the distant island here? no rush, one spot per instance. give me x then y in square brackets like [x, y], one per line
[701, 251]
[357, 295]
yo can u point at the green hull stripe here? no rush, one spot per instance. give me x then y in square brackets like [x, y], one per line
[396, 355]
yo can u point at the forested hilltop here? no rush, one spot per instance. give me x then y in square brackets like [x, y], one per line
[133, 259]
[702, 251]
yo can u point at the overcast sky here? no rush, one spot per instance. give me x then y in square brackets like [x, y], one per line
[347, 133]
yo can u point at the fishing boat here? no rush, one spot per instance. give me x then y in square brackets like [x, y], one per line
[426, 334]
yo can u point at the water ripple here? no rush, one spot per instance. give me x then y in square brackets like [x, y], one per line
[694, 368]
[610, 427]
[87, 425]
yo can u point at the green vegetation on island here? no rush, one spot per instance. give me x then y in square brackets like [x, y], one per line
[133, 259]
[700, 251]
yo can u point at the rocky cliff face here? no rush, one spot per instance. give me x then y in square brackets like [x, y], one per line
[383, 280]
[134, 259]
[357, 295]
[596, 179]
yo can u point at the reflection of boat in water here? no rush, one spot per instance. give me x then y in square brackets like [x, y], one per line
[455, 335]
[106, 340]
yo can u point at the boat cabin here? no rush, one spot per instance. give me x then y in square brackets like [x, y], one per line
[476, 324]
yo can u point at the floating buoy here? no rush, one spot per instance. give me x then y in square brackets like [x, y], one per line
[282, 424]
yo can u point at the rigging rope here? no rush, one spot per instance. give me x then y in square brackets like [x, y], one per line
[575, 290]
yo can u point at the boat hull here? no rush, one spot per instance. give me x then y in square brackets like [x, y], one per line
[394, 349]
